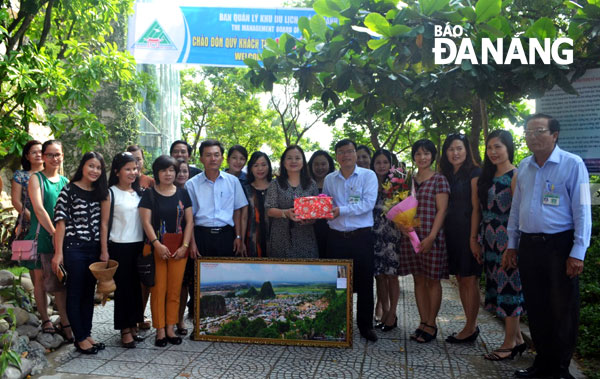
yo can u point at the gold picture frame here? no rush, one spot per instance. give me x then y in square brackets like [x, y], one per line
[306, 302]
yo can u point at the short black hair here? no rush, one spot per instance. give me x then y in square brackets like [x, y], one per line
[253, 158]
[424, 144]
[209, 143]
[181, 142]
[344, 142]
[365, 148]
[553, 123]
[24, 161]
[240, 149]
[162, 163]
[320, 153]
[134, 148]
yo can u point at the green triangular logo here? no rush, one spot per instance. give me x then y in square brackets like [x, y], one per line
[155, 38]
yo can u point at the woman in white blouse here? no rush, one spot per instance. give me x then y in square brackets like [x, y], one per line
[122, 237]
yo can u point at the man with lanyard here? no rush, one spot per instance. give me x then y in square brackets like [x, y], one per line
[182, 150]
[354, 192]
[549, 230]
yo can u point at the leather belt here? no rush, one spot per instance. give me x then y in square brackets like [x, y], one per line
[352, 233]
[543, 237]
[215, 230]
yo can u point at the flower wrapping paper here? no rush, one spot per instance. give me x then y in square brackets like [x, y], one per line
[313, 207]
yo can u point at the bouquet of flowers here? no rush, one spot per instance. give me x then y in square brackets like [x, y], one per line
[400, 207]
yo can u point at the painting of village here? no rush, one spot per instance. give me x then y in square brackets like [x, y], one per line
[274, 302]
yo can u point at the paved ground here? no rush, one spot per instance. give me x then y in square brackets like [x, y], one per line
[394, 355]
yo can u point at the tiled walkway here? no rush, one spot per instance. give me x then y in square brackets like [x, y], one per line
[393, 356]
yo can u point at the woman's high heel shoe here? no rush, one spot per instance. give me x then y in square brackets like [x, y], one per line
[387, 328]
[519, 349]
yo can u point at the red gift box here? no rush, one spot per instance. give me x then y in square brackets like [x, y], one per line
[313, 207]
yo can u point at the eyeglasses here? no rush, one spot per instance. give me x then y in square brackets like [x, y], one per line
[53, 156]
[535, 132]
[346, 152]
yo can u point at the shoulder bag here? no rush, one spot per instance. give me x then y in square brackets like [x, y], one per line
[145, 261]
[26, 250]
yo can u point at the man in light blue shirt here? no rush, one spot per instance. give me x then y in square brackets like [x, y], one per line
[217, 201]
[354, 192]
[549, 230]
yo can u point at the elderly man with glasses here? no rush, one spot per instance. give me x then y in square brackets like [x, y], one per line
[549, 230]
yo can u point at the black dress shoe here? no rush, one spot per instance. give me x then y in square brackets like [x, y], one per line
[471, 338]
[564, 374]
[532, 372]
[137, 338]
[88, 351]
[160, 342]
[369, 334]
[100, 346]
[174, 340]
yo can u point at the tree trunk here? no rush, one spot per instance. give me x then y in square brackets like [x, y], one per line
[374, 134]
[478, 120]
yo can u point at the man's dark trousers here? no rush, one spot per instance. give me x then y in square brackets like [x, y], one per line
[358, 246]
[551, 298]
[211, 242]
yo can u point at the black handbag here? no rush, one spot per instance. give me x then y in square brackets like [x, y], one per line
[145, 261]
[145, 266]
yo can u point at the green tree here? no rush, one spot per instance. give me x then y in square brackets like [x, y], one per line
[377, 64]
[220, 103]
[57, 55]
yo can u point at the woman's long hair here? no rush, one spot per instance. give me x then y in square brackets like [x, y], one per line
[283, 174]
[100, 186]
[120, 160]
[253, 158]
[489, 169]
[469, 164]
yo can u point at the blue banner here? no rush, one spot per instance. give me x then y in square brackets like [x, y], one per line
[208, 36]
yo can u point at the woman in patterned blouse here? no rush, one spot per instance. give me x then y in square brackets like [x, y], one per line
[77, 244]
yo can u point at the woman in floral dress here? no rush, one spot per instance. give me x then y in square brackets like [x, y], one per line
[503, 285]
[387, 242]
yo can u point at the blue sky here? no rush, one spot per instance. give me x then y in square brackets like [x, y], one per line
[219, 272]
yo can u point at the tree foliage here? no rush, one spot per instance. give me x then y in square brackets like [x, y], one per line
[56, 56]
[377, 66]
[221, 103]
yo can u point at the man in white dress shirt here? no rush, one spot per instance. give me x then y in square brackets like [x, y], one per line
[354, 192]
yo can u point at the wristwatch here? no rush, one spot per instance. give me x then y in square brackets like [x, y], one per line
[238, 237]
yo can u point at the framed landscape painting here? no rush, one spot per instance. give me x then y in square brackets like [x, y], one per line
[274, 301]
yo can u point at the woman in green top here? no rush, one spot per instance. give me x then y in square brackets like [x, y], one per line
[42, 212]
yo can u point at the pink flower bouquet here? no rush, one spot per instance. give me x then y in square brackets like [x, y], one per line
[404, 214]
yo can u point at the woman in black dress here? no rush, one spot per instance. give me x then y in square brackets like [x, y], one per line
[461, 226]
[260, 174]
[320, 165]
